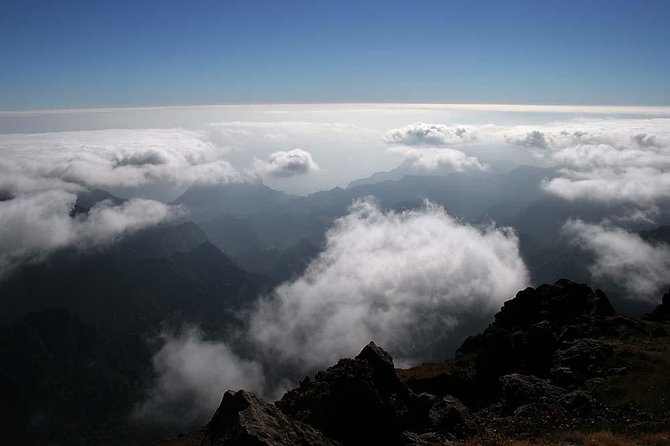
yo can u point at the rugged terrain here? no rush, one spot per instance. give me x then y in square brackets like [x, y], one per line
[557, 366]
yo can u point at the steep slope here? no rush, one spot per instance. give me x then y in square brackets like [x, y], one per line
[164, 273]
[237, 199]
[64, 382]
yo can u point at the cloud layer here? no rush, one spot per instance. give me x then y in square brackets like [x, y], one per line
[123, 158]
[434, 159]
[422, 134]
[406, 280]
[611, 161]
[402, 279]
[285, 164]
[424, 146]
[638, 266]
[34, 225]
[40, 175]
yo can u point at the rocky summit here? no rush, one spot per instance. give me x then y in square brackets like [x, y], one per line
[556, 361]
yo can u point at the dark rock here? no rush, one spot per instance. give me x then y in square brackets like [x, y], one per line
[518, 390]
[580, 360]
[449, 415]
[578, 403]
[243, 419]
[357, 401]
[426, 439]
[560, 302]
[525, 336]
[662, 312]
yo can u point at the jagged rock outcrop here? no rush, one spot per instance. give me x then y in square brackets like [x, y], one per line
[541, 365]
[243, 419]
[451, 417]
[662, 312]
[519, 390]
[540, 332]
[357, 401]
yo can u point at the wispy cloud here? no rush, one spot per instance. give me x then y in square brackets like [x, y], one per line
[36, 224]
[636, 265]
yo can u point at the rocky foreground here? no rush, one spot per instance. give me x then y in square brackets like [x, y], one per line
[557, 366]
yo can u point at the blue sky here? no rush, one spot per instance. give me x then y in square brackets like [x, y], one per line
[77, 54]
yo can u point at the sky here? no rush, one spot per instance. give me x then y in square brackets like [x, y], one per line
[97, 53]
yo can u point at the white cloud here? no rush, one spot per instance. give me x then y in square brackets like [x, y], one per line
[192, 374]
[613, 160]
[637, 185]
[534, 138]
[34, 225]
[111, 158]
[422, 134]
[285, 164]
[638, 266]
[42, 173]
[402, 279]
[433, 159]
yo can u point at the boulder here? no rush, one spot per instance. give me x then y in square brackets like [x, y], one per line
[425, 439]
[357, 401]
[518, 390]
[243, 419]
[575, 362]
[561, 302]
[662, 312]
[451, 416]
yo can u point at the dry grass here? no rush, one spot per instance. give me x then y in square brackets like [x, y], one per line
[424, 371]
[582, 439]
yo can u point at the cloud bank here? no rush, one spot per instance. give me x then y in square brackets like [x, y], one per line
[406, 280]
[439, 159]
[638, 266]
[422, 134]
[423, 145]
[41, 174]
[402, 279]
[610, 161]
[284, 164]
[119, 158]
[34, 225]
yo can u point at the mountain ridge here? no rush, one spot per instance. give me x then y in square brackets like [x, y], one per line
[568, 354]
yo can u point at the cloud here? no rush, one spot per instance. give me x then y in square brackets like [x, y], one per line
[422, 134]
[191, 375]
[287, 164]
[117, 158]
[534, 138]
[34, 225]
[406, 280]
[439, 159]
[638, 266]
[42, 173]
[641, 186]
[611, 161]
[403, 279]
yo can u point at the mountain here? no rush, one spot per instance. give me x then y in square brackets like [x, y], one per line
[558, 364]
[262, 238]
[162, 273]
[238, 199]
[64, 382]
